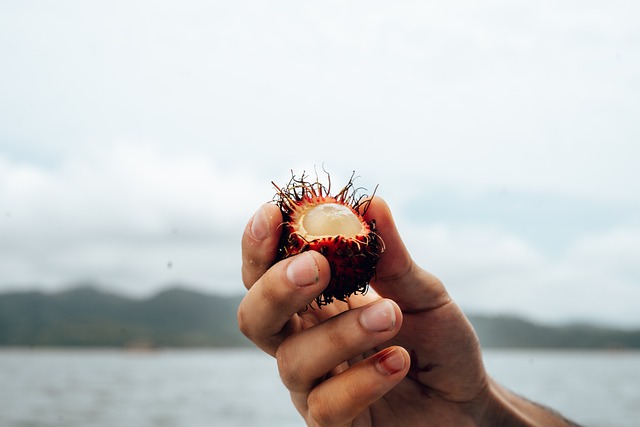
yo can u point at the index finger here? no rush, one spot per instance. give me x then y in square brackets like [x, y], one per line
[259, 243]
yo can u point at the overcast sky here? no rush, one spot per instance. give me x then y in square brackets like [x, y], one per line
[137, 138]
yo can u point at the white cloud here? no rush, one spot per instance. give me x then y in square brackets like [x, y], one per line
[137, 134]
[537, 96]
[136, 217]
[618, 250]
[489, 270]
[127, 215]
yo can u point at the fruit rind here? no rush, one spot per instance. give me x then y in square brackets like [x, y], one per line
[352, 259]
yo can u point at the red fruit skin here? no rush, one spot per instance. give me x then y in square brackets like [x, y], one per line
[352, 261]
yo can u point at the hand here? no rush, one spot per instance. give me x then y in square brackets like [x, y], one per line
[406, 351]
[404, 354]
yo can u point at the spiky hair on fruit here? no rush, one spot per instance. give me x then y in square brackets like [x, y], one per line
[333, 225]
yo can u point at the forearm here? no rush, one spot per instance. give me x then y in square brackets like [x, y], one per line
[510, 410]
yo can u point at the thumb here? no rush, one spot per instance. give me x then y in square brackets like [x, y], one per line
[395, 259]
[397, 276]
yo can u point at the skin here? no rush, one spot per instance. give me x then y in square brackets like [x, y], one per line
[404, 354]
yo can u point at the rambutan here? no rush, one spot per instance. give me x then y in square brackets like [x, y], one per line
[332, 225]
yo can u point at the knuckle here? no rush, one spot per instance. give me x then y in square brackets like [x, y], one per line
[243, 323]
[320, 410]
[339, 338]
[287, 359]
[269, 293]
[336, 406]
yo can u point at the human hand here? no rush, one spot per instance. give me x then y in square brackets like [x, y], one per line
[402, 355]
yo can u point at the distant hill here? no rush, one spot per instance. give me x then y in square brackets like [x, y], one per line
[86, 316]
[514, 332]
[178, 317]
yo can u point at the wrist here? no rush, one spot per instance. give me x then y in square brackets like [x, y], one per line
[506, 408]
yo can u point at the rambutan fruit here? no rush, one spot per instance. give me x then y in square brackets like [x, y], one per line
[332, 225]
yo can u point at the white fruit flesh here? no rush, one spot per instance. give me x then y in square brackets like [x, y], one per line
[330, 219]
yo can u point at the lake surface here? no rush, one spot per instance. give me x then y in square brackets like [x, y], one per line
[204, 388]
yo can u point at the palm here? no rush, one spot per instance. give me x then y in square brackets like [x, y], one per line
[446, 369]
[446, 365]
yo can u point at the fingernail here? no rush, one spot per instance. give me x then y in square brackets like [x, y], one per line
[260, 225]
[378, 317]
[390, 362]
[303, 270]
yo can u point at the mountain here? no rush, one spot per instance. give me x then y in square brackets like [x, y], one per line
[514, 332]
[178, 317]
[86, 316]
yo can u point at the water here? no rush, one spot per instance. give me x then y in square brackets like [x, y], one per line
[198, 388]
[594, 388]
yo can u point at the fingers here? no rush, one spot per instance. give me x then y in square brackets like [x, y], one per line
[267, 313]
[259, 243]
[341, 399]
[397, 276]
[307, 357]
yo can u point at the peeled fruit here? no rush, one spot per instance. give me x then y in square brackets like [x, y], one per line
[332, 225]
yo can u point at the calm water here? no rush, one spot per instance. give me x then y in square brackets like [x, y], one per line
[98, 388]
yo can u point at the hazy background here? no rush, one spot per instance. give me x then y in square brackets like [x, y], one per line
[138, 137]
